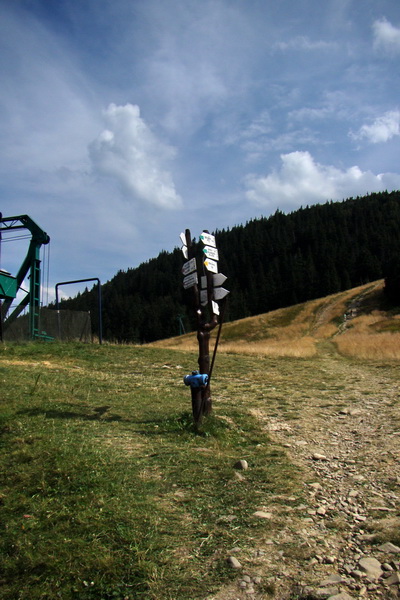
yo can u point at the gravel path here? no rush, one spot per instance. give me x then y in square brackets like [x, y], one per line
[343, 541]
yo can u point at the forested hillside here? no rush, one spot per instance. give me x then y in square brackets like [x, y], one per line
[270, 262]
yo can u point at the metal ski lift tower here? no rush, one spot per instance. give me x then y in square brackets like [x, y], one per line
[9, 285]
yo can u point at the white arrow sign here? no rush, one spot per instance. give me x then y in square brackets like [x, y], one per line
[183, 238]
[189, 266]
[190, 280]
[220, 293]
[211, 265]
[211, 252]
[185, 252]
[219, 279]
[208, 239]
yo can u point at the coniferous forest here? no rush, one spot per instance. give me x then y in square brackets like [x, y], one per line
[270, 262]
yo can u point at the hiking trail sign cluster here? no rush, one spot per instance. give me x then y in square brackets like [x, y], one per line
[208, 299]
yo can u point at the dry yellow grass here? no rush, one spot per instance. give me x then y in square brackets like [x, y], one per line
[297, 331]
[303, 347]
[366, 323]
[378, 346]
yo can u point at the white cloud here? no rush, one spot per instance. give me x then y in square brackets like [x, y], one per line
[201, 62]
[46, 103]
[130, 153]
[302, 42]
[187, 92]
[386, 36]
[302, 181]
[382, 129]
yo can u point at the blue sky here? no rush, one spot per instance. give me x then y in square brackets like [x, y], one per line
[123, 122]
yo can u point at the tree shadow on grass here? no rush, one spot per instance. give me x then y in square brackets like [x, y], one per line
[178, 424]
[97, 414]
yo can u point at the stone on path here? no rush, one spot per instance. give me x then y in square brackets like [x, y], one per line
[389, 547]
[331, 580]
[318, 456]
[371, 567]
[325, 593]
[341, 596]
[315, 485]
[262, 514]
[393, 579]
[234, 563]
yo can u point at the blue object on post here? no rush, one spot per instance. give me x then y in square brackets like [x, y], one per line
[196, 380]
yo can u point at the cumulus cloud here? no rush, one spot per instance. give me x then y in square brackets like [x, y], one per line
[386, 36]
[129, 152]
[382, 129]
[302, 181]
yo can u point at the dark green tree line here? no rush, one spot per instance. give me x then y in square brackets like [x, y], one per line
[271, 262]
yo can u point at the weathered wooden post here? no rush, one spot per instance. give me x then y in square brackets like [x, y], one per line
[205, 305]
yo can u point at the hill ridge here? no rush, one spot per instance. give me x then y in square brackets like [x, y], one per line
[304, 329]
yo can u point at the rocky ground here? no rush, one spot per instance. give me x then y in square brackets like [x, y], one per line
[343, 540]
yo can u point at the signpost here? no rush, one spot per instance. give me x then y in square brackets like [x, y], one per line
[190, 281]
[220, 293]
[207, 239]
[211, 265]
[189, 267]
[211, 252]
[209, 314]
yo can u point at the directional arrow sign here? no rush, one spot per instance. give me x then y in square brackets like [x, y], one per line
[184, 247]
[211, 265]
[208, 239]
[219, 279]
[211, 252]
[190, 280]
[220, 293]
[189, 266]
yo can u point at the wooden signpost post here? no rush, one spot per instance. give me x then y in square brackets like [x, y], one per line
[208, 315]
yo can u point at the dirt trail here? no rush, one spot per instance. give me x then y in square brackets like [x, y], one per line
[345, 438]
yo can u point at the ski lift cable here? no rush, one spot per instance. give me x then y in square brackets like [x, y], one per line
[16, 237]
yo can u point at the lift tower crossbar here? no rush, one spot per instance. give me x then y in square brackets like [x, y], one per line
[30, 263]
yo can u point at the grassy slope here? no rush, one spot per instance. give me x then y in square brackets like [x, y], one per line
[369, 331]
[106, 490]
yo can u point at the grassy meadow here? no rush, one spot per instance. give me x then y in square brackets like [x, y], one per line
[106, 489]
[108, 492]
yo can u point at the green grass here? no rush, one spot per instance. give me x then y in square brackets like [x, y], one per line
[108, 492]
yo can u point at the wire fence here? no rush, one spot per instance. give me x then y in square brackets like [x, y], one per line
[64, 325]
